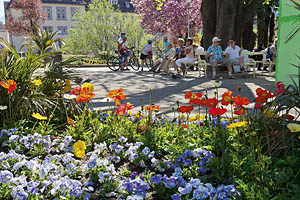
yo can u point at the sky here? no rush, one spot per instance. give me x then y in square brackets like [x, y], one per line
[2, 10]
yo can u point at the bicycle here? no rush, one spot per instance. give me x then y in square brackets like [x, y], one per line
[115, 62]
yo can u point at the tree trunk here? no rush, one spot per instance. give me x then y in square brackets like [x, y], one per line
[272, 28]
[266, 25]
[249, 37]
[226, 19]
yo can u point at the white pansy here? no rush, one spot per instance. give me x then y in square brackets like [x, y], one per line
[3, 107]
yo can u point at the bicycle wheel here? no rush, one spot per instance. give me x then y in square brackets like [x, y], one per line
[113, 63]
[134, 62]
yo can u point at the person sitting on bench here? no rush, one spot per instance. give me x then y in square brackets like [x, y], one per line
[215, 53]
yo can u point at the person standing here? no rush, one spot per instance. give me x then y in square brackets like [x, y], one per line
[166, 43]
[215, 53]
[233, 54]
[146, 52]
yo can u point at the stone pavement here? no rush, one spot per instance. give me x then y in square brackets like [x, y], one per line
[165, 90]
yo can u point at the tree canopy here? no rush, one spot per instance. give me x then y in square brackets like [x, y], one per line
[98, 29]
[27, 18]
[167, 16]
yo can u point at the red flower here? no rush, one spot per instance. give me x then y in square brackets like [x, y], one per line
[84, 95]
[289, 117]
[194, 97]
[263, 95]
[239, 110]
[186, 109]
[217, 111]
[257, 106]
[183, 126]
[11, 85]
[153, 108]
[70, 121]
[123, 108]
[280, 88]
[117, 95]
[76, 91]
[226, 98]
[241, 101]
[211, 103]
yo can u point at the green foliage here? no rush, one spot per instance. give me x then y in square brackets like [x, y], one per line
[99, 28]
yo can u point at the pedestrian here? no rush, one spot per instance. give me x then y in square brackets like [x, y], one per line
[146, 53]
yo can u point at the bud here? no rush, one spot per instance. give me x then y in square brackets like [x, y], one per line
[217, 84]
[239, 88]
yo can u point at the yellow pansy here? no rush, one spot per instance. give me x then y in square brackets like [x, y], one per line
[294, 128]
[194, 118]
[37, 82]
[236, 125]
[79, 149]
[88, 85]
[39, 116]
[139, 114]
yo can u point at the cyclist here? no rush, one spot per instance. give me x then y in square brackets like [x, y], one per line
[146, 53]
[123, 51]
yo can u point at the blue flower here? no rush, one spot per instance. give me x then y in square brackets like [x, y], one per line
[5, 176]
[102, 176]
[133, 175]
[119, 148]
[156, 179]
[175, 197]
[68, 149]
[195, 182]
[91, 164]
[222, 195]
[135, 197]
[170, 182]
[185, 190]
[116, 159]
[146, 151]
[177, 172]
[200, 193]
[187, 163]
[181, 181]
[87, 196]
[122, 139]
[203, 170]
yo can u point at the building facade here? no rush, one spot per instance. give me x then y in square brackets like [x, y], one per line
[122, 5]
[60, 17]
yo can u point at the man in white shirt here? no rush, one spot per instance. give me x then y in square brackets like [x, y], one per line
[233, 54]
[146, 53]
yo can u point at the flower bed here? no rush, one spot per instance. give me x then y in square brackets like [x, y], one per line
[72, 152]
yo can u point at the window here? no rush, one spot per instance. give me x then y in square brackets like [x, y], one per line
[73, 1]
[62, 30]
[73, 12]
[114, 2]
[48, 11]
[127, 4]
[48, 28]
[61, 13]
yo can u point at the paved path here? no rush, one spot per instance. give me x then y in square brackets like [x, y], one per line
[165, 90]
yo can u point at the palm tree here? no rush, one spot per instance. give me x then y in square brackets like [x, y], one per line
[43, 41]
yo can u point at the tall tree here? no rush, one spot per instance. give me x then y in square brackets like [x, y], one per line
[99, 28]
[168, 15]
[226, 18]
[24, 17]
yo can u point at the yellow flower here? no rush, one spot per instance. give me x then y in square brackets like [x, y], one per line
[294, 128]
[88, 85]
[67, 87]
[38, 116]
[236, 125]
[37, 82]
[79, 149]
[194, 118]
[138, 114]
